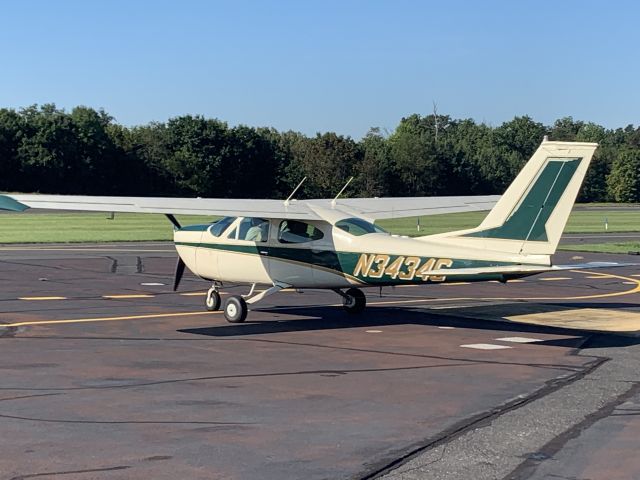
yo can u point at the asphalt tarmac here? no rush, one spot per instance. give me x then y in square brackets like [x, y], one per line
[107, 374]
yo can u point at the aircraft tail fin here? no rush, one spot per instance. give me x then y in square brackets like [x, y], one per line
[531, 215]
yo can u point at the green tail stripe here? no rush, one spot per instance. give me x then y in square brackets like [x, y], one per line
[528, 221]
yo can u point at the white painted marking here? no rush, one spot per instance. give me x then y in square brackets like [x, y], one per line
[485, 346]
[519, 339]
[636, 275]
[135, 295]
[42, 298]
[446, 307]
[630, 283]
[447, 328]
[152, 284]
[553, 279]
[373, 331]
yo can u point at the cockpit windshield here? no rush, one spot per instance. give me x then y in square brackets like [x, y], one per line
[220, 226]
[358, 226]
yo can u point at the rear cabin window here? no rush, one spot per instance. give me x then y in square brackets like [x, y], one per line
[220, 226]
[358, 226]
[293, 231]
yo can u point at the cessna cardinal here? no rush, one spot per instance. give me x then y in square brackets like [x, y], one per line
[335, 244]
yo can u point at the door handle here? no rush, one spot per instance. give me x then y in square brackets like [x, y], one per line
[264, 252]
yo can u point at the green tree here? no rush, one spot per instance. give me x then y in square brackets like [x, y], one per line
[372, 178]
[624, 179]
[327, 161]
[12, 129]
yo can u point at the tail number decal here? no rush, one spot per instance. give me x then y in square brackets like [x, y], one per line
[403, 268]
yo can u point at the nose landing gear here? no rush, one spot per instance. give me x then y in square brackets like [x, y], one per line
[212, 302]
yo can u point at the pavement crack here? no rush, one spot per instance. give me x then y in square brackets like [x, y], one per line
[21, 397]
[480, 420]
[123, 422]
[248, 375]
[528, 467]
[70, 472]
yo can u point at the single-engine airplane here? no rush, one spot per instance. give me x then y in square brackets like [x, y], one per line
[335, 244]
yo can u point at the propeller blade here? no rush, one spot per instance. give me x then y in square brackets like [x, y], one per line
[179, 272]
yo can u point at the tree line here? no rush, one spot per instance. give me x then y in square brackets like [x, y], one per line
[49, 150]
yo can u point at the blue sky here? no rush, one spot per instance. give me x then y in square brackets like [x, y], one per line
[342, 66]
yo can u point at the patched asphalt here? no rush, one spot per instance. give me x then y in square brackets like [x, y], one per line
[430, 382]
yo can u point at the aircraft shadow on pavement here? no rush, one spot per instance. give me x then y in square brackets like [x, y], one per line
[322, 318]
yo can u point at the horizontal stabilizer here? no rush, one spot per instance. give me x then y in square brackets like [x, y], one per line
[516, 270]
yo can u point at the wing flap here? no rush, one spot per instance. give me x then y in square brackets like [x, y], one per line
[398, 207]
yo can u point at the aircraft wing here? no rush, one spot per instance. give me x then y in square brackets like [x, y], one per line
[167, 205]
[370, 208]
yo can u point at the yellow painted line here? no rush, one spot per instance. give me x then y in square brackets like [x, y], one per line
[108, 319]
[631, 291]
[42, 298]
[553, 279]
[128, 296]
[604, 277]
[193, 294]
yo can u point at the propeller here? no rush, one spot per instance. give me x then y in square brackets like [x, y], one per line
[180, 265]
[179, 272]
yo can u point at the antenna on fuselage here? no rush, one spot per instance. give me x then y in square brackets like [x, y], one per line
[333, 202]
[286, 202]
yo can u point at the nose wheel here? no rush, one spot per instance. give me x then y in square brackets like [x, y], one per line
[212, 302]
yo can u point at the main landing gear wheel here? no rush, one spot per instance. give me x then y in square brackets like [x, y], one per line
[212, 302]
[355, 300]
[235, 309]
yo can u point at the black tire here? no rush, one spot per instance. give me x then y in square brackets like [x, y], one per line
[356, 301]
[212, 301]
[235, 309]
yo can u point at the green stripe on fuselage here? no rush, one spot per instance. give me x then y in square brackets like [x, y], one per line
[528, 221]
[345, 263]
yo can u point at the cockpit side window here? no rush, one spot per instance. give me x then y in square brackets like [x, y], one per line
[294, 231]
[220, 226]
[358, 226]
[253, 229]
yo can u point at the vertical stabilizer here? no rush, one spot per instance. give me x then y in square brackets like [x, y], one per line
[531, 215]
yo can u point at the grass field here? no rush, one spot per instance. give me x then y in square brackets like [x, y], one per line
[580, 221]
[97, 227]
[614, 247]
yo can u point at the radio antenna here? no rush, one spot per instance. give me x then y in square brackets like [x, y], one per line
[286, 202]
[333, 202]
